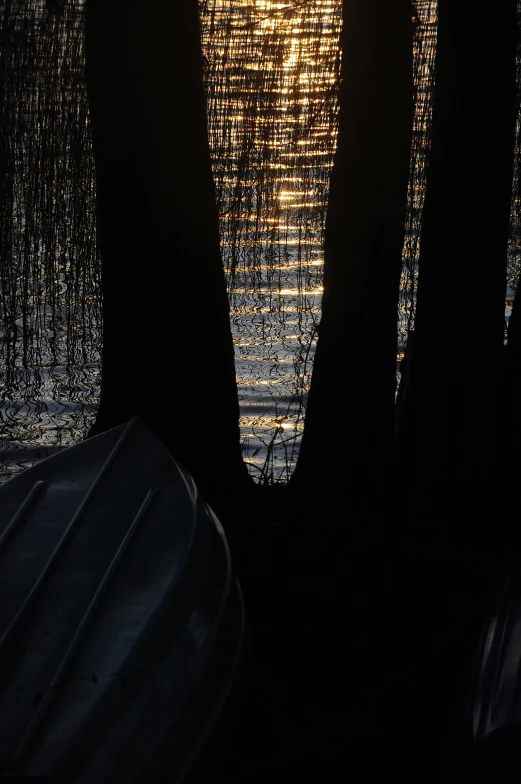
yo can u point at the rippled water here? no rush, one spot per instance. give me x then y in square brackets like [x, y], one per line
[272, 133]
[271, 72]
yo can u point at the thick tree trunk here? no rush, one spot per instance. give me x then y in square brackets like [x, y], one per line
[167, 347]
[349, 421]
[449, 433]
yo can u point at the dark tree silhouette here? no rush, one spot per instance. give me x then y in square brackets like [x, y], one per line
[511, 427]
[450, 427]
[356, 350]
[159, 240]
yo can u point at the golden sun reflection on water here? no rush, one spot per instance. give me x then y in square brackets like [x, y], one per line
[272, 133]
[272, 87]
[271, 71]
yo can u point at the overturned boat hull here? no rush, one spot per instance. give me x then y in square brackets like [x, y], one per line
[122, 629]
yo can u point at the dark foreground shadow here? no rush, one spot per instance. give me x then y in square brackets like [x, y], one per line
[362, 644]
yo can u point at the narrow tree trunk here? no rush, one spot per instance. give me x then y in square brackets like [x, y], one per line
[449, 434]
[167, 347]
[7, 171]
[349, 421]
[511, 426]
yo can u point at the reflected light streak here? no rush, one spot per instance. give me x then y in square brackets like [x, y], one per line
[272, 113]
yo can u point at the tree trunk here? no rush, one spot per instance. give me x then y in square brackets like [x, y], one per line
[449, 434]
[167, 347]
[511, 426]
[349, 422]
[7, 174]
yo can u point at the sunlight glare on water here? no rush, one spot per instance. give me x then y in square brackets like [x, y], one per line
[272, 75]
